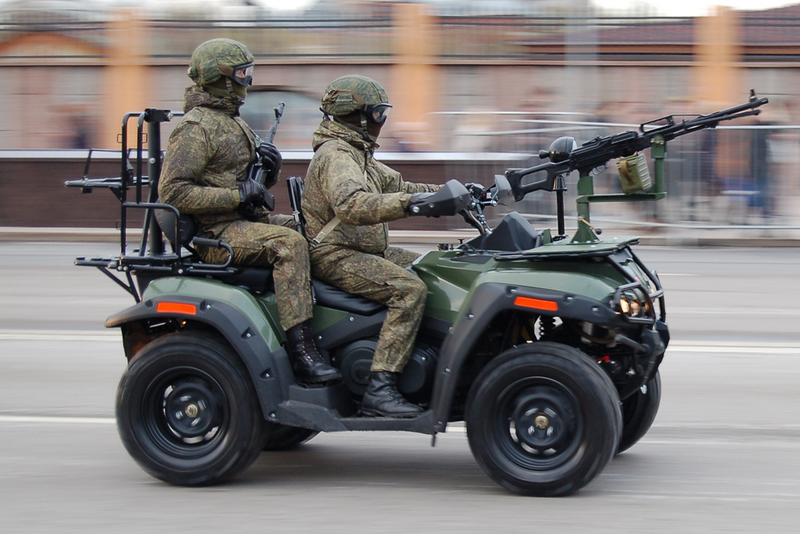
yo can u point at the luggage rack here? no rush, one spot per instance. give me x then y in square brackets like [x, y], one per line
[149, 260]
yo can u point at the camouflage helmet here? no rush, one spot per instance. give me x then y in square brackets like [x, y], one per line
[216, 58]
[353, 92]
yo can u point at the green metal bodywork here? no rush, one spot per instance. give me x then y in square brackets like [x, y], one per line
[452, 277]
[576, 269]
[262, 311]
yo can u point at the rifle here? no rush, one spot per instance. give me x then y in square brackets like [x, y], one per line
[597, 152]
[256, 169]
[278, 114]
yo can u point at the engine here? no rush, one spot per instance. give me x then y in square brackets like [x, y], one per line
[415, 383]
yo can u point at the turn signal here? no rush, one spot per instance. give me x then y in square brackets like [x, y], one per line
[536, 304]
[176, 307]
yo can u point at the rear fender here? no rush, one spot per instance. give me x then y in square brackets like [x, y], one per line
[231, 312]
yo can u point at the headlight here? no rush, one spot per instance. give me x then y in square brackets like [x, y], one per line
[633, 303]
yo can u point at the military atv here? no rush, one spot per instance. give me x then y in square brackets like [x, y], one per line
[547, 347]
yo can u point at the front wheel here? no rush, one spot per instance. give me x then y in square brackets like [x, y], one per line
[187, 411]
[639, 411]
[543, 419]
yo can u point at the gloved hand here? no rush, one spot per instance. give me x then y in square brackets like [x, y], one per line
[417, 202]
[271, 161]
[252, 193]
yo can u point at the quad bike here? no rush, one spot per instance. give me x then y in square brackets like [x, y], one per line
[548, 348]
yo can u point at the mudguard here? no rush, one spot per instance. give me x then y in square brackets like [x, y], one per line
[232, 312]
[494, 293]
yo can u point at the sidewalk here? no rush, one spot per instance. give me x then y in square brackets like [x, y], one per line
[732, 236]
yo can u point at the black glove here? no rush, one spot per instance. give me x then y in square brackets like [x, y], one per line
[417, 202]
[252, 193]
[271, 161]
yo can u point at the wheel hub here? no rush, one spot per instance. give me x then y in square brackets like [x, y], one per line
[542, 420]
[190, 410]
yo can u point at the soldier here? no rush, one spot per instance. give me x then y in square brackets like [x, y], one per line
[205, 175]
[348, 199]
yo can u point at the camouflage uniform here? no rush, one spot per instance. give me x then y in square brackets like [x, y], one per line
[345, 180]
[208, 152]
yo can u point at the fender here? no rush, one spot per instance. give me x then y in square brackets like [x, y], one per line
[229, 310]
[486, 301]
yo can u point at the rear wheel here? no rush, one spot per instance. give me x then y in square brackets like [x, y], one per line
[187, 411]
[638, 413]
[543, 419]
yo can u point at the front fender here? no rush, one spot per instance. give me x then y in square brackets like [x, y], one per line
[488, 299]
[233, 313]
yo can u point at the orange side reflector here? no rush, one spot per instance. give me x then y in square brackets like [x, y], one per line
[176, 307]
[538, 304]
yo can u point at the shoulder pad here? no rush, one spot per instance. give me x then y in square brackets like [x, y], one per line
[195, 115]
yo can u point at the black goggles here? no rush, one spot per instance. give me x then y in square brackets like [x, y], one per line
[378, 112]
[243, 74]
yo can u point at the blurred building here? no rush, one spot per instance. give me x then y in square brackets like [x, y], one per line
[505, 76]
[462, 75]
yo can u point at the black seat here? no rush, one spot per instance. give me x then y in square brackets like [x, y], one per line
[255, 279]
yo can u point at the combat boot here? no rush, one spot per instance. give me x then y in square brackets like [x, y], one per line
[383, 400]
[307, 363]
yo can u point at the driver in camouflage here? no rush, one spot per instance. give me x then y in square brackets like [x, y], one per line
[205, 174]
[348, 199]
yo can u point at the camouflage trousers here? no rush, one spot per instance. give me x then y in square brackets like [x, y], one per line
[264, 244]
[384, 279]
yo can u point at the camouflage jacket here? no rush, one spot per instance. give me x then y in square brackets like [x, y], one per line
[208, 152]
[345, 180]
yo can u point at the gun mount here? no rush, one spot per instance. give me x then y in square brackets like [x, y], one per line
[565, 156]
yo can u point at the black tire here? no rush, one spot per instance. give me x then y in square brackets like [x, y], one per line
[566, 405]
[187, 411]
[638, 413]
[283, 437]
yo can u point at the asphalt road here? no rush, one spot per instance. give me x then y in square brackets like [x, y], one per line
[722, 456]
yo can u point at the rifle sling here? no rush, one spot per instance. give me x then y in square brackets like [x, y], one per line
[327, 229]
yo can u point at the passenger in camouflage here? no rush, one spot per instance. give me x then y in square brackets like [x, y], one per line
[346, 184]
[205, 174]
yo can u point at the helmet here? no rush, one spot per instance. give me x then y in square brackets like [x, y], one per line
[353, 92]
[221, 57]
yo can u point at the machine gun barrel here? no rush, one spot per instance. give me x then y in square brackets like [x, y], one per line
[598, 151]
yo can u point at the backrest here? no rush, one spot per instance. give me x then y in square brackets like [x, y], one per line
[167, 222]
